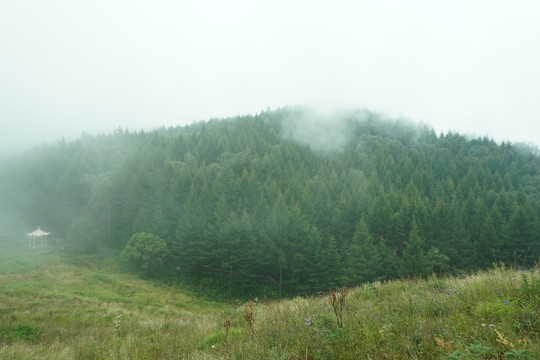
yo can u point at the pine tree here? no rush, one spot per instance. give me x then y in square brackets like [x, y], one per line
[415, 261]
[333, 269]
[188, 246]
[488, 245]
[523, 244]
[362, 257]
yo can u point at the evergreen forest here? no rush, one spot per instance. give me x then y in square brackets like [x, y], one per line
[289, 201]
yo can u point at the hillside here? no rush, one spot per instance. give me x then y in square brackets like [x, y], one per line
[58, 307]
[286, 202]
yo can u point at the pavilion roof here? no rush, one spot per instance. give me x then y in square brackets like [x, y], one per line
[38, 232]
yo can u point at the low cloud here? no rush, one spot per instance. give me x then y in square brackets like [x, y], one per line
[322, 130]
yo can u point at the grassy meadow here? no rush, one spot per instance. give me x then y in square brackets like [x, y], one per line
[56, 307]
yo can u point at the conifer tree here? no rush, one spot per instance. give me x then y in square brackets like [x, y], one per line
[415, 261]
[362, 257]
[333, 269]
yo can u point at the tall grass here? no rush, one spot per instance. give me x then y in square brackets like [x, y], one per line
[61, 310]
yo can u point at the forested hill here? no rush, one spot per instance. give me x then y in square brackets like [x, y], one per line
[293, 200]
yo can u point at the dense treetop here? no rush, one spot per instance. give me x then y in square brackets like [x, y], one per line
[292, 200]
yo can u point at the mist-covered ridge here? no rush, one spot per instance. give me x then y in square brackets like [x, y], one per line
[292, 200]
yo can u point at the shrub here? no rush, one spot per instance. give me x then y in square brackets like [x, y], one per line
[146, 252]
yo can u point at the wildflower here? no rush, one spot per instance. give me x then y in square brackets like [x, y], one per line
[118, 321]
[307, 321]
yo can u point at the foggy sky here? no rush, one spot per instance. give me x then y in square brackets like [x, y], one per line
[68, 67]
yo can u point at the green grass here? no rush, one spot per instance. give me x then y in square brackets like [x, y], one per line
[52, 307]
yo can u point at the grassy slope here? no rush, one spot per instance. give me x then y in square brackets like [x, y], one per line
[74, 311]
[51, 308]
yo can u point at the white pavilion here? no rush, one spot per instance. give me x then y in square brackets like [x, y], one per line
[42, 235]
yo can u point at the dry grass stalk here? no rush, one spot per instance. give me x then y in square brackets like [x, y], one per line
[248, 315]
[227, 326]
[502, 340]
[338, 303]
[444, 344]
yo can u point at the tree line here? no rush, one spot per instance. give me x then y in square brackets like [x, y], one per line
[245, 204]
